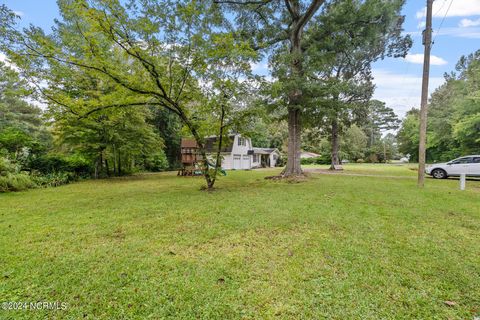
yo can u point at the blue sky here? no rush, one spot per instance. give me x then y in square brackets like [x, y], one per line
[398, 81]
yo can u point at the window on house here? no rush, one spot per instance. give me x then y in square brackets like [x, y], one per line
[241, 141]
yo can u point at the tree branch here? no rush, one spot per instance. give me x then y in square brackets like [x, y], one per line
[242, 2]
[309, 13]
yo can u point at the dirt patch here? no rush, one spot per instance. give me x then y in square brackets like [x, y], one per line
[289, 179]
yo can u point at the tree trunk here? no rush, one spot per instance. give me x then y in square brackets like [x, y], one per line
[335, 145]
[95, 175]
[107, 168]
[208, 179]
[218, 161]
[119, 168]
[98, 165]
[295, 96]
[114, 160]
[293, 167]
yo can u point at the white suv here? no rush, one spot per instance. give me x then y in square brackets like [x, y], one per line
[469, 165]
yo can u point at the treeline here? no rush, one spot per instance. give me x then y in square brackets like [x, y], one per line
[363, 139]
[453, 117]
[40, 148]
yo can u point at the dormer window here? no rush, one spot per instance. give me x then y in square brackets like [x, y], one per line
[242, 141]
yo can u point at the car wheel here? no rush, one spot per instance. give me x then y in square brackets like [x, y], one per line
[439, 174]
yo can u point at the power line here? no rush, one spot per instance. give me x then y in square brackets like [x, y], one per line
[441, 23]
[408, 65]
[440, 9]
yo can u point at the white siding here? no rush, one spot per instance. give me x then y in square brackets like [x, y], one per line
[227, 161]
[236, 161]
[272, 162]
[242, 149]
[257, 163]
[245, 161]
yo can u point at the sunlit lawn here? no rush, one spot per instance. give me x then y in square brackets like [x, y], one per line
[335, 247]
[405, 170]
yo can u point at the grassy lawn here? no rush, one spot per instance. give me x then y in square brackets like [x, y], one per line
[400, 170]
[154, 246]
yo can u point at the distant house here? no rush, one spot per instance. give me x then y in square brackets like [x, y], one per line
[265, 157]
[237, 153]
[306, 155]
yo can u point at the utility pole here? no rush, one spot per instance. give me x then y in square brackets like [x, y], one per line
[427, 42]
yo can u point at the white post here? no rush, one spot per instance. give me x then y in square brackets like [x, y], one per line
[462, 181]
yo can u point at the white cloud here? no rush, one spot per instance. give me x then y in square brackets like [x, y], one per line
[418, 59]
[469, 33]
[19, 13]
[458, 8]
[4, 59]
[401, 91]
[465, 23]
[421, 25]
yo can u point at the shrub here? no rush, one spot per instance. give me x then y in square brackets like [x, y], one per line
[157, 162]
[52, 163]
[306, 161]
[15, 182]
[360, 161]
[281, 161]
[54, 179]
[7, 167]
[317, 160]
[372, 158]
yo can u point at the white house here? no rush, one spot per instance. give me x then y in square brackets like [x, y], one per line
[265, 157]
[239, 153]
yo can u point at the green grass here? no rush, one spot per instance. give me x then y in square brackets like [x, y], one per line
[401, 170]
[334, 247]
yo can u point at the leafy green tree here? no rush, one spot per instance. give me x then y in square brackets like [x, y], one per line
[453, 121]
[466, 115]
[169, 127]
[408, 135]
[278, 26]
[384, 149]
[355, 34]
[23, 133]
[164, 53]
[354, 143]
[377, 118]
[115, 141]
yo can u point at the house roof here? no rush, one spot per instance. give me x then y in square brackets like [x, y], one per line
[305, 154]
[188, 143]
[210, 144]
[264, 150]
